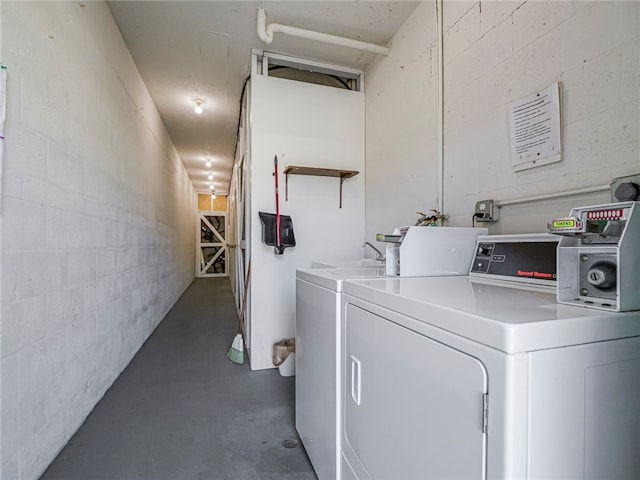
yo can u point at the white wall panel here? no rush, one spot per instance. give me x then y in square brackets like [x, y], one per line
[578, 44]
[495, 53]
[401, 127]
[304, 125]
[98, 220]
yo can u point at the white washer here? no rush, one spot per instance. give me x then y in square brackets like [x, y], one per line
[318, 339]
[318, 315]
[460, 377]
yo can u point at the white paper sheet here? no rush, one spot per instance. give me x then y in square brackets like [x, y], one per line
[535, 129]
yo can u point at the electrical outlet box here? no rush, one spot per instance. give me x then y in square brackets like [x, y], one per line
[487, 211]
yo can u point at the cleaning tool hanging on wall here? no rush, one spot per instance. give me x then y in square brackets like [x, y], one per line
[277, 230]
[236, 352]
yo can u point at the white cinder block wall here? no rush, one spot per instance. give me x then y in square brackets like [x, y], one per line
[400, 105]
[495, 53]
[97, 223]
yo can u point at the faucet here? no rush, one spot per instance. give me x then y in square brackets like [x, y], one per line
[379, 254]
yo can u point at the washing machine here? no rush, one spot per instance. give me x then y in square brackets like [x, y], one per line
[318, 313]
[318, 339]
[487, 376]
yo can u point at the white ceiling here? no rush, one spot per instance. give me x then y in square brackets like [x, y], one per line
[201, 49]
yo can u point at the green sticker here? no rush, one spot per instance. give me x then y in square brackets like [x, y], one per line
[564, 223]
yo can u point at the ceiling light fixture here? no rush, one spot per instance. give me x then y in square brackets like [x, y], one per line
[207, 163]
[210, 177]
[198, 108]
[211, 187]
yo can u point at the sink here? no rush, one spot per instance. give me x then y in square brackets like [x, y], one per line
[354, 264]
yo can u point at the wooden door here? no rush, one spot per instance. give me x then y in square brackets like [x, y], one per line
[212, 251]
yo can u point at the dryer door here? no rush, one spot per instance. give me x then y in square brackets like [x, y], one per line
[413, 407]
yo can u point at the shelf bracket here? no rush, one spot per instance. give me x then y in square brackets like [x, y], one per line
[341, 182]
[321, 172]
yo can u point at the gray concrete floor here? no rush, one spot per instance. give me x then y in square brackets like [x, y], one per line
[182, 410]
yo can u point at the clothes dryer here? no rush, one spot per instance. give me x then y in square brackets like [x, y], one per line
[318, 339]
[318, 314]
[486, 376]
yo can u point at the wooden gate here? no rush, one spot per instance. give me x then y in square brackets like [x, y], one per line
[212, 251]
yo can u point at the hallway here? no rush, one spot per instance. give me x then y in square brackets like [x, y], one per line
[181, 410]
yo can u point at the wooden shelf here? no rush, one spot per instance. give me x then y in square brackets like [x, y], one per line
[319, 172]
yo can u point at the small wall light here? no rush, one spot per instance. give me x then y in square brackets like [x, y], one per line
[198, 108]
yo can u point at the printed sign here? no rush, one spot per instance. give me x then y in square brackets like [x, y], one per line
[535, 129]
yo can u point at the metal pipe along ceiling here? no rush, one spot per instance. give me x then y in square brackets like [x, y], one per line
[265, 33]
[547, 196]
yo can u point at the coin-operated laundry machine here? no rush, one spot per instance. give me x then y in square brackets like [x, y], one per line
[599, 256]
[318, 313]
[434, 251]
[487, 375]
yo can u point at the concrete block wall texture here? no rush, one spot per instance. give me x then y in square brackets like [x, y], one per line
[495, 53]
[400, 105]
[498, 52]
[98, 222]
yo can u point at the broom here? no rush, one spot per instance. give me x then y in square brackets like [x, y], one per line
[236, 352]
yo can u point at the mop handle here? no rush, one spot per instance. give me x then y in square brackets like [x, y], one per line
[275, 168]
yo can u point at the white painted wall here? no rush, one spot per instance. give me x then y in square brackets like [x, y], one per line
[498, 52]
[401, 94]
[98, 221]
[305, 125]
[494, 53]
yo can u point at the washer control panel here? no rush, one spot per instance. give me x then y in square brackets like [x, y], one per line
[527, 258]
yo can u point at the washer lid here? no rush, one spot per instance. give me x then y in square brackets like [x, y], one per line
[509, 318]
[332, 278]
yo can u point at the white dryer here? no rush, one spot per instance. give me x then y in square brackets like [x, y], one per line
[435, 252]
[486, 376]
[318, 339]
[318, 314]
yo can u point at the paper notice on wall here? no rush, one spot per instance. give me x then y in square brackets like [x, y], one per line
[535, 130]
